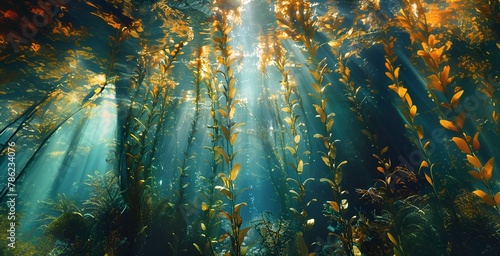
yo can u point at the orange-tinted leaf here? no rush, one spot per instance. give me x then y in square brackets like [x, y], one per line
[413, 110]
[401, 92]
[474, 161]
[424, 164]
[334, 205]
[428, 178]
[497, 198]
[459, 120]
[420, 132]
[445, 80]
[475, 142]
[461, 144]
[456, 97]
[487, 170]
[396, 72]
[448, 125]
[486, 198]
[380, 169]
[476, 175]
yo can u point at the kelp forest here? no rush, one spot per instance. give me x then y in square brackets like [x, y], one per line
[250, 127]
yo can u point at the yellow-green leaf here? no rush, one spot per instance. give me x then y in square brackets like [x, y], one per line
[296, 139]
[300, 167]
[461, 144]
[486, 198]
[234, 172]
[393, 240]
[288, 120]
[204, 206]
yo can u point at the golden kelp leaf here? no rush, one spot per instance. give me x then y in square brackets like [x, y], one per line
[420, 131]
[224, 236]
[476, 175]
[296, 139]
[288, 120]
[448, 125]
[497, 198]
[315, 74]
[225, 131]
[300, 166]
[392, 239]
[423, 164]
[286, 109]
[221, 151]
[204, 206]
[233, 138]
[456, 97]
[401, 92]
[437, 83]
[326, 160]
[498, 45]
[301, 245]
[235, 171]
[198, 248]
[486, 198]
[389, 75]
[225, 191]
[232, 92]
[316, 87]
[474, 161]
[329, 125]
[487, 169]
[461, 144]
[334, 205]
[428, 178]
[413, 110]
[475, 142]
[291, 150]
[396, 72]
[408, 100]
[242, 234]
[394, 88]
[445, 79]
[321, 113]
[222, 112]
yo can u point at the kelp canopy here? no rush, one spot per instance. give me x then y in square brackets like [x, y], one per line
[249, 127]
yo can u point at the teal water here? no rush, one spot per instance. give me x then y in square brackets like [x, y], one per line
[249, 127]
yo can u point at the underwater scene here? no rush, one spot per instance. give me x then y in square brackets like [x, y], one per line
[250, 127]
